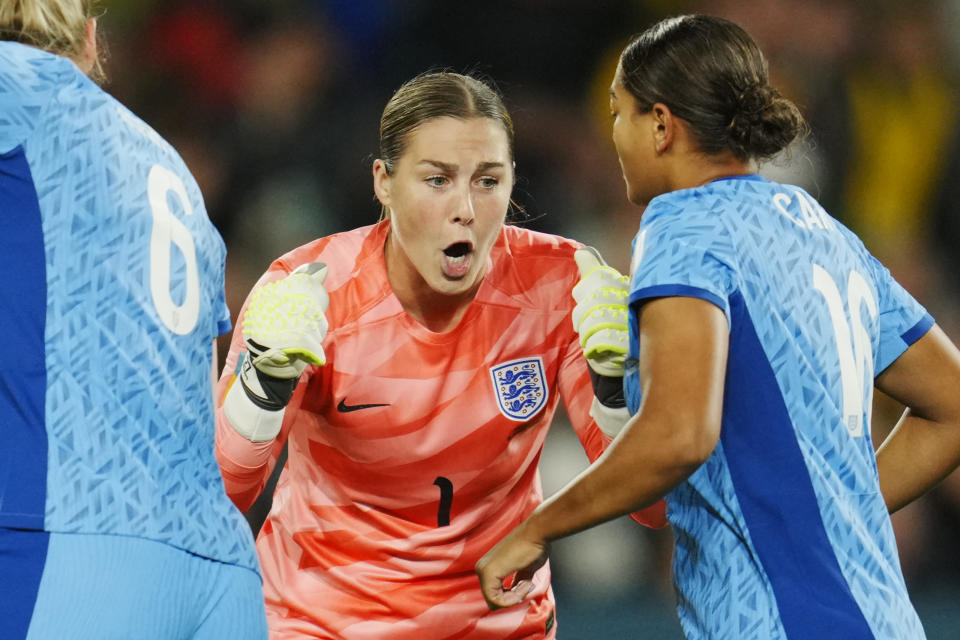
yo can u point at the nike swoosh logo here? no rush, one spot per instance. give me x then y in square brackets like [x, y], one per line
[343, 407]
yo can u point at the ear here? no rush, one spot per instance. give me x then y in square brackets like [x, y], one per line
[381, 182]
[664, 127]
[88, 57]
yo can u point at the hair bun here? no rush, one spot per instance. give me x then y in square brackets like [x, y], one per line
[763, 122]
[753, 100]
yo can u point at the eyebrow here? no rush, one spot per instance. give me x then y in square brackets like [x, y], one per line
[452, 168]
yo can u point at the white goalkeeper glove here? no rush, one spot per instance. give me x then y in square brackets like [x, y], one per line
[283, 328]
[600, 318]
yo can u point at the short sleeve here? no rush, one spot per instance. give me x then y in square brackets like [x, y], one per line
[679, 252]
[221, 310]
[903, 320]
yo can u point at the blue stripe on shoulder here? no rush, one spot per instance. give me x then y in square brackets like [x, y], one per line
[673, 290]
[777, 498]
[918, 330]
[23, 388]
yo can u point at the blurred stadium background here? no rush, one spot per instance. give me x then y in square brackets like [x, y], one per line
[275, 106]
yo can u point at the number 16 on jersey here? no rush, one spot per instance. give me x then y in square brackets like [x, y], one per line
[854, 345]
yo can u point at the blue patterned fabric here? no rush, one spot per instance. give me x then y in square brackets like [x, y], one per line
[112, 293]
[783, 532]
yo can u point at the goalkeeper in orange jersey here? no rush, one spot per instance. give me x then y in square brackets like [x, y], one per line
[413, 368]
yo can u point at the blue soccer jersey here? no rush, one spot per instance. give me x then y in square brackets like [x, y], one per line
[112, 292]
[783, 532]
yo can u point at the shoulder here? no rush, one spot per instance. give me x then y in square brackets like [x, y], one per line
[346, 254]
[57, 109]
[709, 215]
[685, 234]
[30, 80]
[528, 243]
[533, 267]
[710, 201]
[32, 69]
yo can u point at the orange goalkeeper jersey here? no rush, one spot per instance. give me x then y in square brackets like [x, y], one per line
[411, 453]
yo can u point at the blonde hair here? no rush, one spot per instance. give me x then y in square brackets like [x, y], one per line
[56, 26]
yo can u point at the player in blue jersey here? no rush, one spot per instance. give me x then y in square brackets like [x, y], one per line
[114, 522]
[759, 327]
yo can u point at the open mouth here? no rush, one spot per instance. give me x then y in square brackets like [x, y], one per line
[456, 259]
[458, 250]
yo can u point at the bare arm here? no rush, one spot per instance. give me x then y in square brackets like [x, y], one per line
[682, 367]
[924, 447]
[578, 395]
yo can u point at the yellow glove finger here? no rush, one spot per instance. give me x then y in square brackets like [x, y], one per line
[601, 317]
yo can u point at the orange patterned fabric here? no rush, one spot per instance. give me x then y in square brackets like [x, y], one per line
[409, 453]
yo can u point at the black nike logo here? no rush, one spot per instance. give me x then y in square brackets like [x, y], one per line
[343, 407]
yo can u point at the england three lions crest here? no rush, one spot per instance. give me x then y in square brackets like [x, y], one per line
[521, 387]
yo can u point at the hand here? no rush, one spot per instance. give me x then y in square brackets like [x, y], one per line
[284, 324]
[600, 316]
[283, 327]
[521, 552]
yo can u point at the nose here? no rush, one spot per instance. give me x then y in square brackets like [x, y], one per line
[463, 211]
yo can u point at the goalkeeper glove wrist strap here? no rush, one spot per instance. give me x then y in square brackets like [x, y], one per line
[249, 420]
[610, 421]
[266, 392]
[608, 390]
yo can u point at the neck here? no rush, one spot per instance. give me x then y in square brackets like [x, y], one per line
[436, 311]
[698, 171]
[688, 166]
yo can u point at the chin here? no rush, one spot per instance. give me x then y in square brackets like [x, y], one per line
[454, 286]
[641, 196]
[637, 198]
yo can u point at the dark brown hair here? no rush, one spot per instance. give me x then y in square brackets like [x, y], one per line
[711, 74]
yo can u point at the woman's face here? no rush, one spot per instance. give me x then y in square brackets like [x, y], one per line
[634, 141]
[448, 197]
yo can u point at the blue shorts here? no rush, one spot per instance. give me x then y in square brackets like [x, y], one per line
[105, 587]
